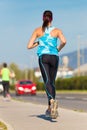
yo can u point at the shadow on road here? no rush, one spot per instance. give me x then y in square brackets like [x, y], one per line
[42, 116]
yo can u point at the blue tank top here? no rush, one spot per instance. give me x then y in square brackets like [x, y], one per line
[47, 43]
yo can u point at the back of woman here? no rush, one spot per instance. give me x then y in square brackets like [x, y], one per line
[47, 43]
[48, 58]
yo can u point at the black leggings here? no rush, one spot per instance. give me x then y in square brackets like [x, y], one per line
[5, 87]
[48, 66]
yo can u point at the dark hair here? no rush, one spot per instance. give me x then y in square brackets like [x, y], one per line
[47, 17]
[5, 65]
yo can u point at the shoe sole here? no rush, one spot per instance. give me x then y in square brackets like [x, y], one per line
[54, 112]
[47, 115]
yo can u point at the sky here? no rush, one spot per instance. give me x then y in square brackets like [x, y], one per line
[19, 18]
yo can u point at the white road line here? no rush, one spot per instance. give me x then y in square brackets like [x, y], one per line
[84, 99]
[58, 96]
[70, 97]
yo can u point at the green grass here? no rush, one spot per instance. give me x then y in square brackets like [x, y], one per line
[72, 91]
[68, 91]
[3, 126]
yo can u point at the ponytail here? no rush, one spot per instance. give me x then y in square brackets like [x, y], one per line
[47, 17]
[45, 24]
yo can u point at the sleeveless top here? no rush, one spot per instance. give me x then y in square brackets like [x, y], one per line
[47, 43]
[5, 74]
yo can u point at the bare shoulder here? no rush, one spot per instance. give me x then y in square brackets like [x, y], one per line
[37, 29]
[57, 30]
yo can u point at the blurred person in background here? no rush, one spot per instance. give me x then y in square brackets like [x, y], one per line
[6, 75]
[48, 58]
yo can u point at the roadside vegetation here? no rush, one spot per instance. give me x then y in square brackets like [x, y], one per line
[77, 83]
[73, 84]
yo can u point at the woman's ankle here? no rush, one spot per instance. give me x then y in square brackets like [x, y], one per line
[51, 100]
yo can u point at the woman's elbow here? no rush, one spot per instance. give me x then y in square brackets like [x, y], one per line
[64, 42]
[29, 46]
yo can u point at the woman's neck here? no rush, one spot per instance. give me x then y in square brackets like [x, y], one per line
[49, 24]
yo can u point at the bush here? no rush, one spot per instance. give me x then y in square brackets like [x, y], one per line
[40, 86]
[75, 83]
[12, 87]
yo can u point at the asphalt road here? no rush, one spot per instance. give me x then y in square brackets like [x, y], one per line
[77, 102]
[23, 115]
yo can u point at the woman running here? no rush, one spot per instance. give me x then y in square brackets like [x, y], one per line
[48, 49]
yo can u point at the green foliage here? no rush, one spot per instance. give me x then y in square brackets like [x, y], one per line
[40, 86]
[18, 73]
[12, 87]
[22, 74]
[75, 83]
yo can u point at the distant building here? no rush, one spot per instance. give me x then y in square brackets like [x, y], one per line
[81, 71]
[62, 72]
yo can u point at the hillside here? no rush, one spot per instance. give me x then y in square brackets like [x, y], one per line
[72, 56]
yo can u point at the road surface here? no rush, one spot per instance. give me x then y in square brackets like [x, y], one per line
[21, 115]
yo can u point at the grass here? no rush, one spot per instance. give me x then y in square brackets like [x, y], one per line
[79, 110]
[68, 91]
[72, 91]
[62, 91]
[3, 126]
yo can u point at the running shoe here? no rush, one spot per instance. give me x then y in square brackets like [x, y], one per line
[54, 112]
[48, 113]
[8, 97]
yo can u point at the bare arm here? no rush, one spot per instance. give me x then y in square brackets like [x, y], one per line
[62, 40]
[32, 43]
